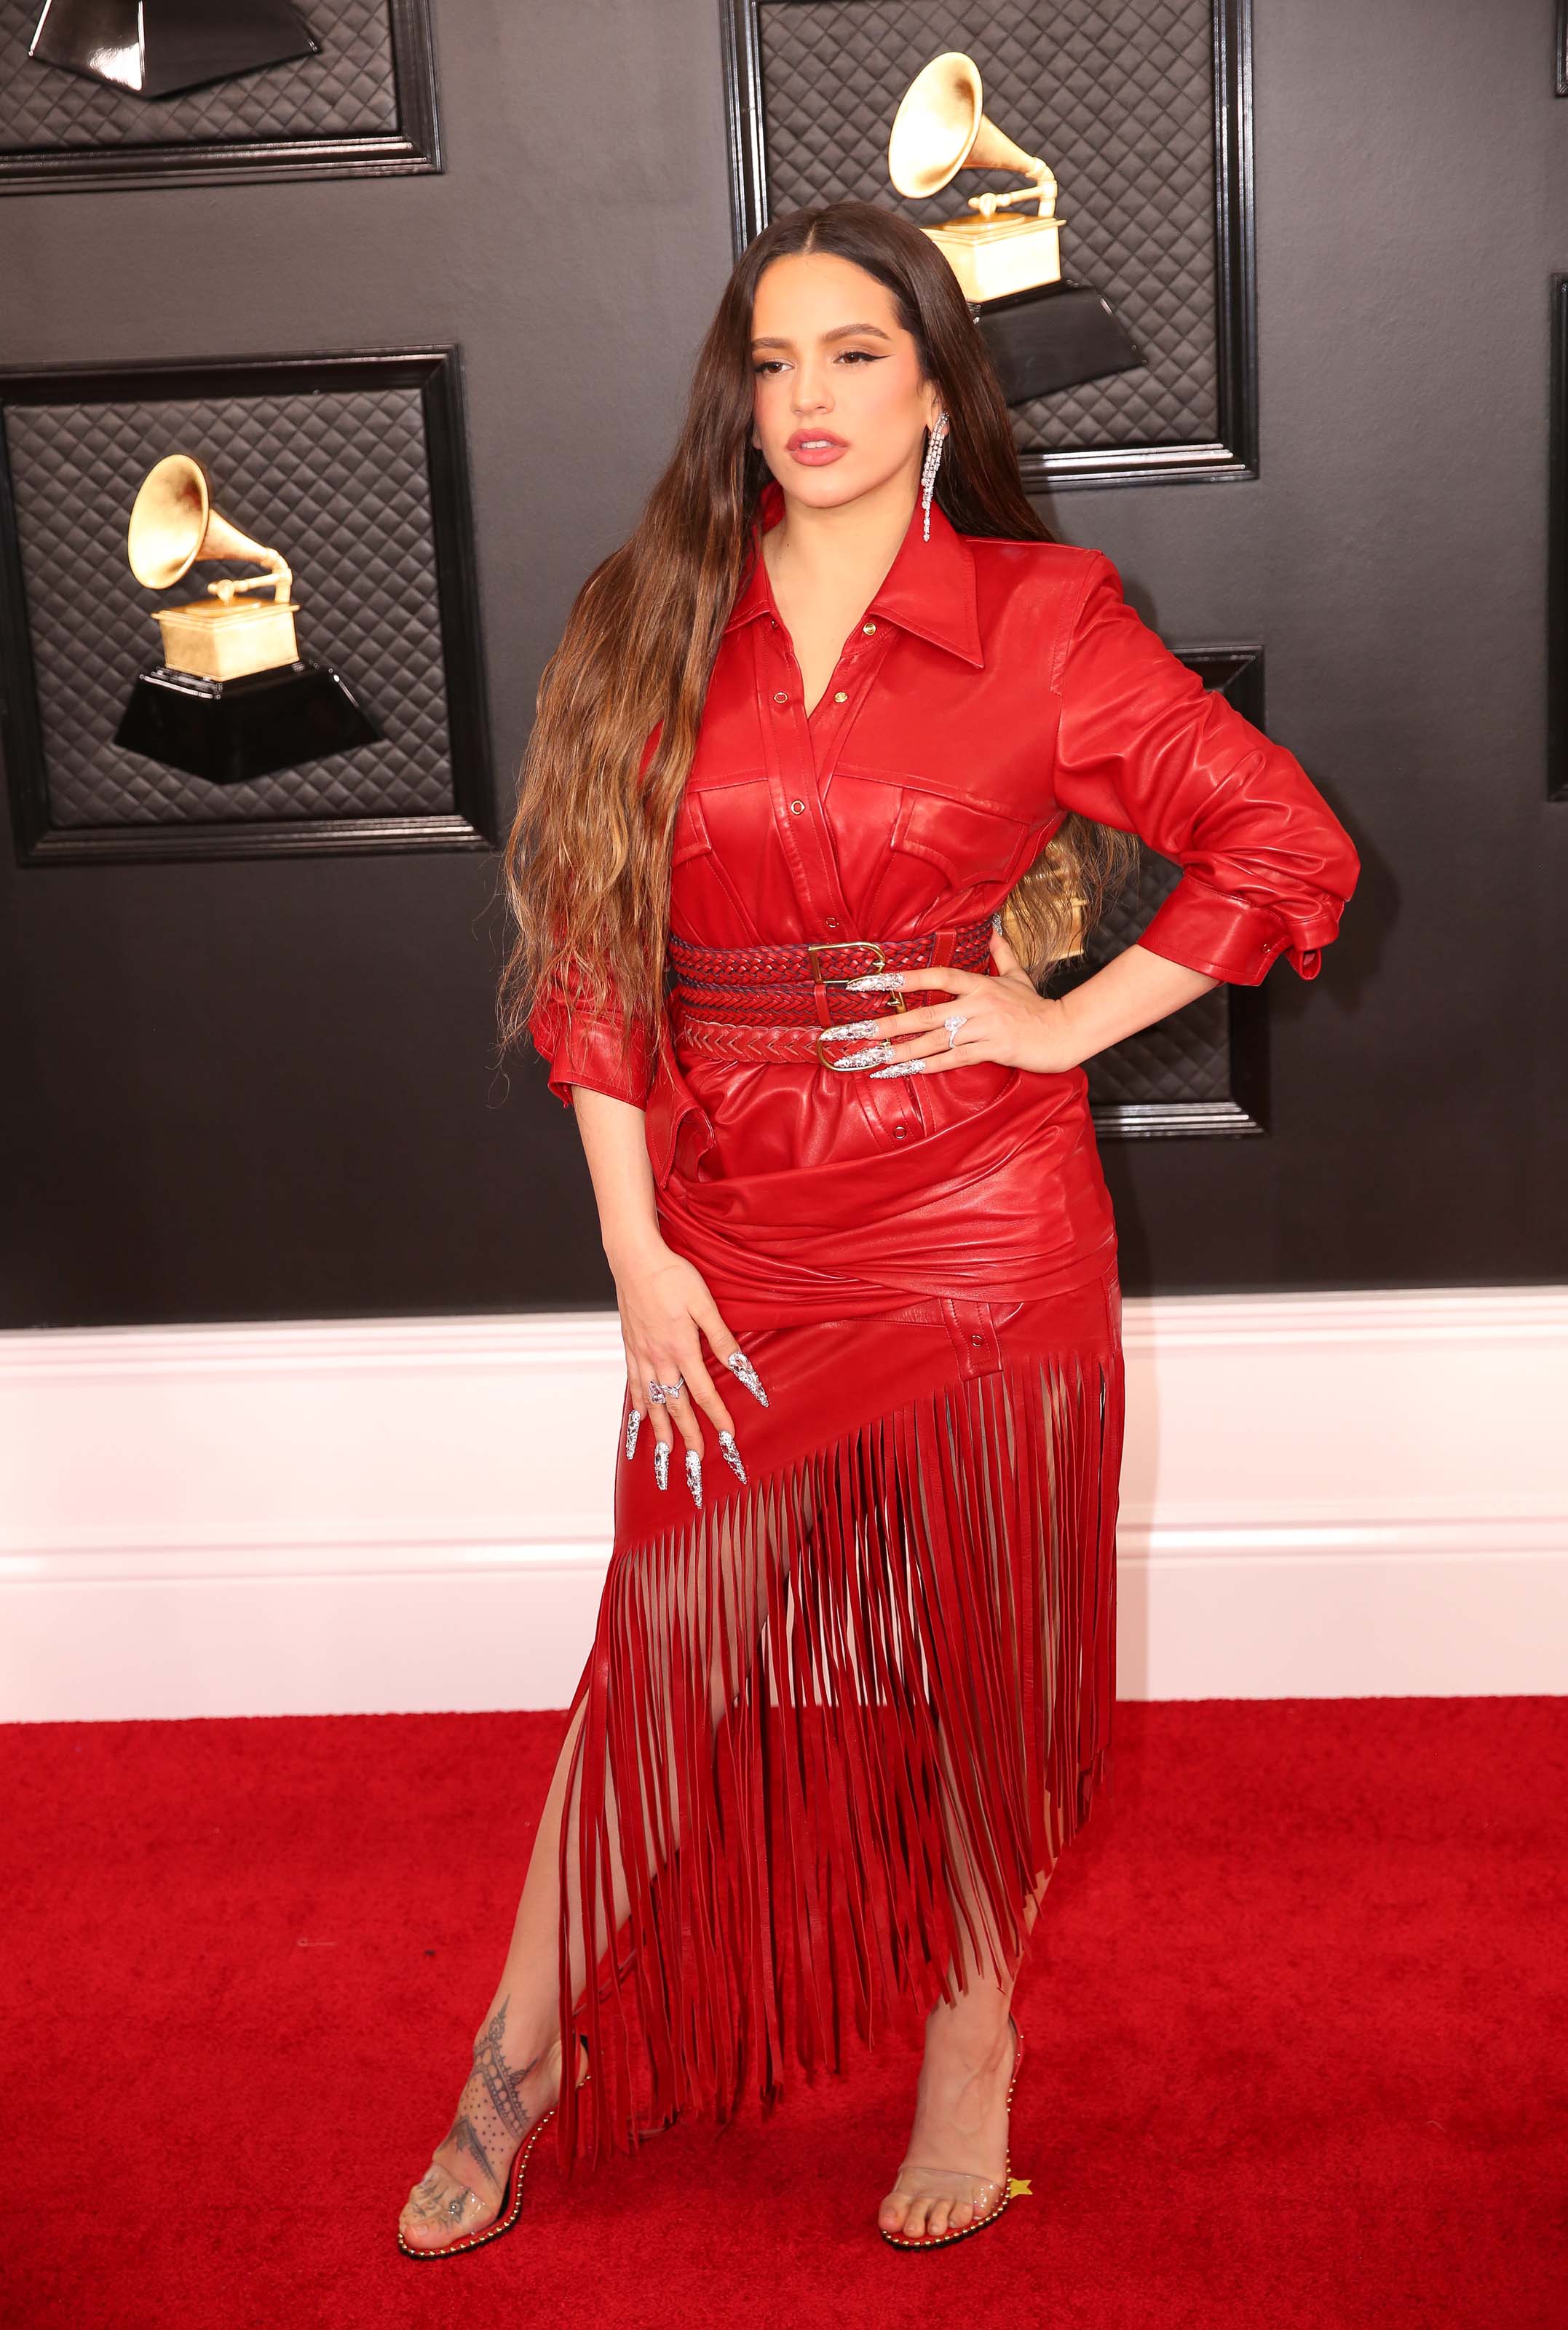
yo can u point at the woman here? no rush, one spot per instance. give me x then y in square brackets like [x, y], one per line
[841, 706]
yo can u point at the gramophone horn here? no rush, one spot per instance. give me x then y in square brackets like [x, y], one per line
[940, 130]
[173, 524]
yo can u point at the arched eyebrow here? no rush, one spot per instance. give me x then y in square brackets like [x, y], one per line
[839, 332]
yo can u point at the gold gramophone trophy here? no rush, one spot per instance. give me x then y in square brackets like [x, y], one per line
[1043, 333]
[232, 699]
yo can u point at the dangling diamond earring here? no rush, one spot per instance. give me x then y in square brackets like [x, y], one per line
[933, 462]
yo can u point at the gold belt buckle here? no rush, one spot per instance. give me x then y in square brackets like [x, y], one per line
[814, 947]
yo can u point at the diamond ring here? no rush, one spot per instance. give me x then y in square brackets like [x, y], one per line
[952, 1023]
[662, 1391]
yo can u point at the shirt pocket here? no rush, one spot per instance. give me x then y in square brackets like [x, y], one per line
[705, 905]
[968, 847]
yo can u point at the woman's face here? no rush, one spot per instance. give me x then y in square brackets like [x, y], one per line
[831, 361]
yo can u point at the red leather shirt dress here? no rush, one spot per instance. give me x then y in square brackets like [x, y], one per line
[873, 1684]
[991, 688]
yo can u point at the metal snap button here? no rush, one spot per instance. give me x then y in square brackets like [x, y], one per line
[841, 697]
[797, 806]
[899, 1130]
[977, 1340]
[832, 922]
[868, 626]
[779, 695]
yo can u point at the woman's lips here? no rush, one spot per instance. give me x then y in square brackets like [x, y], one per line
[815, 457]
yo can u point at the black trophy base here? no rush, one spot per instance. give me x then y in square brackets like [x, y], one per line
[233, 731]
[1056, 336]
[158, 48]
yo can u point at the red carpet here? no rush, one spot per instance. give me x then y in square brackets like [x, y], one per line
[1298, 2015]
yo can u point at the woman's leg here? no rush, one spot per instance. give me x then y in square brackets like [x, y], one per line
[515, 2075]
[958, 2146]
[516, 2067]
[1063, 1516]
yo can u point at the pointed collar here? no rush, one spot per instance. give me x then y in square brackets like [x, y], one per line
[928, 589]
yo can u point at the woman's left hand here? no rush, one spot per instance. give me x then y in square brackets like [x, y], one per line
[1005, 1018]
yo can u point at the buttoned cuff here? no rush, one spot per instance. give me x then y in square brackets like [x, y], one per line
[1230, 938]
[586, 1051]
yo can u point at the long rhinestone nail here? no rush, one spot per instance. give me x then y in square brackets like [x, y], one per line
[899, 1068]
[633, 1425]
[748, 1375]
[848, 1028]
[866, 1059]
[873, 979]
[731, 1453]
[694, 1475]
[662, 1462]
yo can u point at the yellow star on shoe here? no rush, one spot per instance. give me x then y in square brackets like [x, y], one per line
[1017, 2185]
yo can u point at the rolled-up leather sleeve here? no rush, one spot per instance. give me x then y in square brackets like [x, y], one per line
[1143, 746]
[583, 1047]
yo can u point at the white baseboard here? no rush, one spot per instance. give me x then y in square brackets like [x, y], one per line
[1323, 1496]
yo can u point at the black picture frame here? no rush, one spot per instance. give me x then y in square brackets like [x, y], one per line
[1240, 1112]
[413, 145]
[471, 824]
[1557, 550]
[1232, 455]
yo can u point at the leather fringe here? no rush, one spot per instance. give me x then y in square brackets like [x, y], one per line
[831, 1720]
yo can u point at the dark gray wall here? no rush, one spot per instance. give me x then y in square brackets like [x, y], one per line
[247, 1090]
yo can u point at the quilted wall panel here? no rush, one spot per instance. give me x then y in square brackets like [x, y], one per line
[349, 89]
[1182, 1059]
[1118, 95]
[335, 481]
[1193, 1058]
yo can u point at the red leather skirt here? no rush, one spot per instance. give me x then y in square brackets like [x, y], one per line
[846, 1712]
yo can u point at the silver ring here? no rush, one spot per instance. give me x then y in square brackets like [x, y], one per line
[659, 1392]
[952, 1023]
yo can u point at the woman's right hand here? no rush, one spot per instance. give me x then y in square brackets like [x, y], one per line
[664, 1304]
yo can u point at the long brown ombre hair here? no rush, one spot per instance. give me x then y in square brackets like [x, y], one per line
[587, 863]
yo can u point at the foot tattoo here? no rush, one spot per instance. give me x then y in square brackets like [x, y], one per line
[492, 2120]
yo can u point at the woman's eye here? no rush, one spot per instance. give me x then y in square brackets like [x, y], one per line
[861, 355]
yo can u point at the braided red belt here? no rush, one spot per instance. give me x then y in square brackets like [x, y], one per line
[775, 1002]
